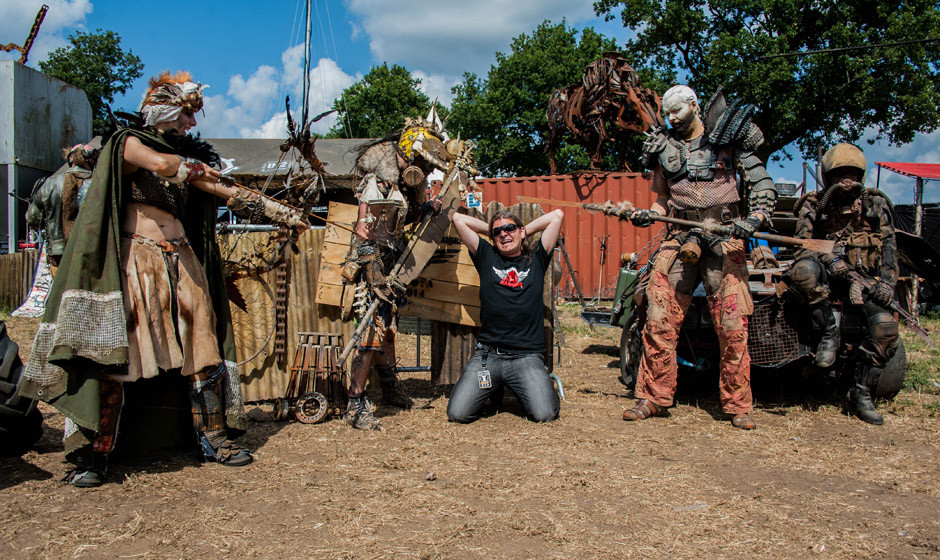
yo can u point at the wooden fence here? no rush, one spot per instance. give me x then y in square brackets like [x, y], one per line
[16, 277]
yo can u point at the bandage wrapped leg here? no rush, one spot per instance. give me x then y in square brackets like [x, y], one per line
[359, 414]
[208, 420]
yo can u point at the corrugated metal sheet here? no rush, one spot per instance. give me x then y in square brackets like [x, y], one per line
[583, 230]
[262, 378]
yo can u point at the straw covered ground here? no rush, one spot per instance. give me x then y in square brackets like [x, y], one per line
[810, 482]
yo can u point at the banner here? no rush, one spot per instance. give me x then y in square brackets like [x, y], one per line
[35, 304]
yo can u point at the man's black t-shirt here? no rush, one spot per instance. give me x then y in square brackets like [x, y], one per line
[511, 298]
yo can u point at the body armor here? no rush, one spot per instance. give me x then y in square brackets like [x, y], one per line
[54, 204]
[698, 174]
[147, 188]
[860, 225]
[703, 173]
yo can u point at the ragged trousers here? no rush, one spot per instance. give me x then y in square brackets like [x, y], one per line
[722, 269]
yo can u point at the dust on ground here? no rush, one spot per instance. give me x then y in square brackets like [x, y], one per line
[810, 482]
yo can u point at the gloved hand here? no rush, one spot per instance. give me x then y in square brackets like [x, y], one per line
[744, 229]
[838, 268]
[643, 218]
[432, 206]
[881, 293]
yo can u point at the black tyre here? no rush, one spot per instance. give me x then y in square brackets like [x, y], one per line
[630, 352]
[20, 420]
[892, 379]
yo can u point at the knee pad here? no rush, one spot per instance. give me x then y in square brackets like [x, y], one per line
[882, 341]
[807, 277]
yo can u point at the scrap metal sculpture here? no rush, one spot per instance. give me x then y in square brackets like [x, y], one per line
[609, 93]
[24, 49]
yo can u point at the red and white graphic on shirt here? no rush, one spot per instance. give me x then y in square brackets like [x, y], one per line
[511, 278]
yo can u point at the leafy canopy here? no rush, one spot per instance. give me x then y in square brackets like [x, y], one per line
[505, 113]
[813, 100]
[95, 63]
[378, 103]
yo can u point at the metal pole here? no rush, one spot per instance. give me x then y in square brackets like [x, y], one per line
[918, 231]
[819, 177]
[418, 342]
[12, 206]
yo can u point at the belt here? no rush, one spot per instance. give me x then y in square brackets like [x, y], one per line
[723, 214]
[166, 245]
[487, 348]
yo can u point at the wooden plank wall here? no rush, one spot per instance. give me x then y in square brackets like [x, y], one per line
[16, 277]
[262, 378]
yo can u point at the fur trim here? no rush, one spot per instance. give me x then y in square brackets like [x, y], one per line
[176, 90]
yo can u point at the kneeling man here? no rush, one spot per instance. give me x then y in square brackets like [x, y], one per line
[512, 336]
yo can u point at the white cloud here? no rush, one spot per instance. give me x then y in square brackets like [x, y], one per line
[245, 110]
[437, 86]
[254, 93]
[449, 37]
[63, 17]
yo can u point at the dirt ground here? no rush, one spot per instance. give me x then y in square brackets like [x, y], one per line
[810, 482]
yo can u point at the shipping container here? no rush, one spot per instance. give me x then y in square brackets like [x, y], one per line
[594, 242]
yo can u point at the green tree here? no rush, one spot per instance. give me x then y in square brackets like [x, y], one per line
[97, 64]
[505, 113]
[378, 103]
[814, 99]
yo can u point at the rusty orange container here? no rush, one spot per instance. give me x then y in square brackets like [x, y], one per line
[595, 242]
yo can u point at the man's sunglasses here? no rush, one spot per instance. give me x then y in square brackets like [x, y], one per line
[508, 228]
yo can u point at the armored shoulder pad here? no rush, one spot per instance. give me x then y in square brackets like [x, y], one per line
[734, 126]
[878, 196]
[755, 173]
[654, 144]
[808, 198]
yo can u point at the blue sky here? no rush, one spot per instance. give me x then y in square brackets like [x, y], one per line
[250, 54]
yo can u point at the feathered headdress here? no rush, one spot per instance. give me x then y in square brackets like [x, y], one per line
[167, 96]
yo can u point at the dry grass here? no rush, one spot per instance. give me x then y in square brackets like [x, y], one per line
[809, 482]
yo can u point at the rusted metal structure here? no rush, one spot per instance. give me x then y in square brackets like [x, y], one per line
[608, 95]
[583, 231]
[25, 47]
[317, 385]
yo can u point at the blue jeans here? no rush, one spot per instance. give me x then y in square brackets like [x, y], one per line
[525, 374]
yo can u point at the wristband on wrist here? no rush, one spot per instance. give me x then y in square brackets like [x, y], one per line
[189, 170]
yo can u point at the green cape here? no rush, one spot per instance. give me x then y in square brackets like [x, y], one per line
[83, 334]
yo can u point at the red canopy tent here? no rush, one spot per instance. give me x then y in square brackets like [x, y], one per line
[919, 170]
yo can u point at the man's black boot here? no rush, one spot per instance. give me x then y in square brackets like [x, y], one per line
[392, 394]
[859, 396]
[824, 323]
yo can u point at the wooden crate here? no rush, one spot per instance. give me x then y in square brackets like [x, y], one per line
[448, 290]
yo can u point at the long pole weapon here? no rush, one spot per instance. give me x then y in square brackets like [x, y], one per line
[623, 210]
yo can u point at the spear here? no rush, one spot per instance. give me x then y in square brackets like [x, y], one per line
[624, 209]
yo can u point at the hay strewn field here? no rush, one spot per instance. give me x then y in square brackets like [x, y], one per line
[810, 482]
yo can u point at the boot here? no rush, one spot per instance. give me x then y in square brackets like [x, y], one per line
[824, 323]
[89, 470]
[392, 394]
[859, 397]
[359, 414]
[211, 437]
